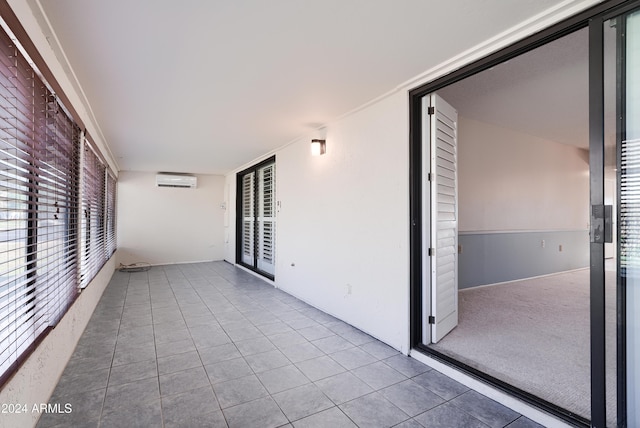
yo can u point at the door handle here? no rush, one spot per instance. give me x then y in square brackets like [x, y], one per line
[601, 224]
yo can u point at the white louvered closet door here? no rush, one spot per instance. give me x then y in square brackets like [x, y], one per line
[443, 136]
[248, 218]
[266, 219]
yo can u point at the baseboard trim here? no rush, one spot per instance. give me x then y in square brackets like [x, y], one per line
[522, 279]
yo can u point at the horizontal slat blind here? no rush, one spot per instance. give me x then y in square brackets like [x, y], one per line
[18, 320]
[57, 206]
[630, 206]
[111, 214]
[39, 170]
[94, 254]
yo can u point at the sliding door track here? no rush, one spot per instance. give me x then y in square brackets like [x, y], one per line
[554, 410]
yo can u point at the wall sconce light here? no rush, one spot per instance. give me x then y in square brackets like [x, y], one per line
[318, 147]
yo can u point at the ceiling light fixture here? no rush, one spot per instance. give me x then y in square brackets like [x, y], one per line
[318, 147]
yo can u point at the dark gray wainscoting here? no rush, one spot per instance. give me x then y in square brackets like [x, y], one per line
[491, 257]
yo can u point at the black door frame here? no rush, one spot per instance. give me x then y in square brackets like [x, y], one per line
[252, 169]
[592, 18]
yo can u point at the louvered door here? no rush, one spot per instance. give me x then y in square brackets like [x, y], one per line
[443, 138]
[266, 219]
[257, 218]
[247, 242]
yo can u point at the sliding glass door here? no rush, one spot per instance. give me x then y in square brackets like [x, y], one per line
[615, 320]
[626, 28]
[609, 316]
[630, 217]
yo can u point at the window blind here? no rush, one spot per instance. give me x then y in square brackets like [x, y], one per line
[39, 169]
[629, 206]
[111, 214]
[57, 208]
[94, 253]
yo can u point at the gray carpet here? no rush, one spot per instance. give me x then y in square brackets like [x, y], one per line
[534, 334]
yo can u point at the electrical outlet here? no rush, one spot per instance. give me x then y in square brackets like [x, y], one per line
[459, 248]
[560, 248]
[542, 243]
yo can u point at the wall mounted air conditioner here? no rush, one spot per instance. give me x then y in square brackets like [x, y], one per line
[176, 180]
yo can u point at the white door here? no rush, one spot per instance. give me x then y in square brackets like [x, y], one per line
[248, 218]
[266, 219]
[258, 218]
[441, 138]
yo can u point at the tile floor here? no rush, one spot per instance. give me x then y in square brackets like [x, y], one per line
[209, 345]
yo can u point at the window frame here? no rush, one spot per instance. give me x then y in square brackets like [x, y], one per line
[41, 174]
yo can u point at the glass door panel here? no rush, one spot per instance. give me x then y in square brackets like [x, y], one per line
[621, 49]
[610, 35]
[629, 221]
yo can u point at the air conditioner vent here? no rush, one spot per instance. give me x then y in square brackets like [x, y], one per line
[176, 180]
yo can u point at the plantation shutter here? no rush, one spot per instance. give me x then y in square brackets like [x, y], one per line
[444, 217]
[256, 218]
[248, 218]
[266, 219]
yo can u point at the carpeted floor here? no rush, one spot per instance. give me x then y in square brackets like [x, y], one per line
[534, 334]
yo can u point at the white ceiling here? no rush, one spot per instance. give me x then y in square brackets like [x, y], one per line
[544, 92]
[204, 86]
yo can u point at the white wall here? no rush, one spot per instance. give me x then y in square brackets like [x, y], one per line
[161, 225]
[510, 181]
[38, 376]
[343, 225]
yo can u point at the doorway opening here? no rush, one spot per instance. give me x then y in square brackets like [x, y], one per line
[538, 295]
[256, 218]
[523, 223]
